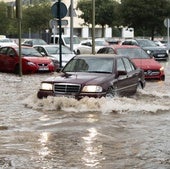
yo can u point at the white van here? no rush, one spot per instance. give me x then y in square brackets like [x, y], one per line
[65, 40]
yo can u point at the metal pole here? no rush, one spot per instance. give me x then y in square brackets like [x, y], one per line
[60, 31]
[20, 55]
[168, 33]
[19, 17]
[71, 25]
[93, 26]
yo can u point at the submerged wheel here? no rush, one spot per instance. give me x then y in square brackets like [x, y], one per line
[111, 92]
[16, 70]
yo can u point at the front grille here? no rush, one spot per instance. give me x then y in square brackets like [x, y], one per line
[151, 72]
[66, 88]
[42, 64]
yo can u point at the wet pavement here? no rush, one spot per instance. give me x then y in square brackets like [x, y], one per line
[63, 133]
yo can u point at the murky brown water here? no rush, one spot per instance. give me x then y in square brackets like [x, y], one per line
[62, 133]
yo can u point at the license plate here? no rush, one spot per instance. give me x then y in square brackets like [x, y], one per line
[161, 55]
[43, 68]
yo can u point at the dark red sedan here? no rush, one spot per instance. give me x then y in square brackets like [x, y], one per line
[94, 76]
[32, 60]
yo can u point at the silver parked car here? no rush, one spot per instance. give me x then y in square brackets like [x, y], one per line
[53, 51]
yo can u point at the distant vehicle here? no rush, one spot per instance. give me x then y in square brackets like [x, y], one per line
[152, 68]
[7, 42]
[53, 51]
[94, 76]
[158, 52]
[85, 46]
[32, 60]
[32, 42]
[65, 40]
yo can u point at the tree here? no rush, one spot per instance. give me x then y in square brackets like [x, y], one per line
[36, 17]
[104, 12]
[146, 17]
[5, 21]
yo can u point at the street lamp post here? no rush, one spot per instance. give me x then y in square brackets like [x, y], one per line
[93, 26]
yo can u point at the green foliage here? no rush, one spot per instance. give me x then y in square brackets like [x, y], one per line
[104, 11]
[36, 17]
[145, 16]
[3, 18]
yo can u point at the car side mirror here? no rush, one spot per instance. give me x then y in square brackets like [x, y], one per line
[121, 73]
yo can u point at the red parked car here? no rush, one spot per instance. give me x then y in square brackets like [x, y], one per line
[32, 60]
[152, 68]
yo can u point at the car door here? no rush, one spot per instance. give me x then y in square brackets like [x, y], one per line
[132, 75]
[11, 59]
[127, 80]
[3, 53]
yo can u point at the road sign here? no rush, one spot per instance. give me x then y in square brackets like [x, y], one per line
[55, 22]
[55, 10]
[167, 22]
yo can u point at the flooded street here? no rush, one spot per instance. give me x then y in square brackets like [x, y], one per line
[63, 133]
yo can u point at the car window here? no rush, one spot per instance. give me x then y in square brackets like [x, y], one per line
[120, 65]
[133, 53]
[3, 50]
[128, 65]
[11, 52]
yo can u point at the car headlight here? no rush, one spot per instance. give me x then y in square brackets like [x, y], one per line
[92, 88]
[149, 52]
[162, 69]
[30, 63]
[46, 86]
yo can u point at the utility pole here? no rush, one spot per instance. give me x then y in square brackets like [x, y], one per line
[71, 25]
[19, 17]
[93, 26]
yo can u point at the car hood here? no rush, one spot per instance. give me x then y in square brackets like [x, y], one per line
[80, 78]
[154, 48]
[65, 57]
[147, 63]
[38, 59]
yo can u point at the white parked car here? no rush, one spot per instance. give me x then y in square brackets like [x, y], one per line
[7, 42]
[85, 46]
[53, 51]
[65, 40]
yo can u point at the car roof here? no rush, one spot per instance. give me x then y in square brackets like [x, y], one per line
[124, 46]
[100, 56]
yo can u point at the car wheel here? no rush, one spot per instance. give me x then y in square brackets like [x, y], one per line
[139, 86]
[78, 52]
[111, 92]
[16, 70]
[162, 78]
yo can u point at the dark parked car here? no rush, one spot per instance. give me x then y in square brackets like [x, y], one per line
[158, 52]
[32, 60]
[152, 68]
[94, 76]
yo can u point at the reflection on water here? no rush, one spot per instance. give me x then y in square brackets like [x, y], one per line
[91, 152]
[44, 151]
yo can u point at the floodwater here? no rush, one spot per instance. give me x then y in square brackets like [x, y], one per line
[62, 133]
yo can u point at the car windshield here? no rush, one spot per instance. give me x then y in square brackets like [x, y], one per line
[100, 42]
[133, 53]
[146, 43]
[87, 64]
[76, 40]
[29, 52]
[5, 40]
[55, 50]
